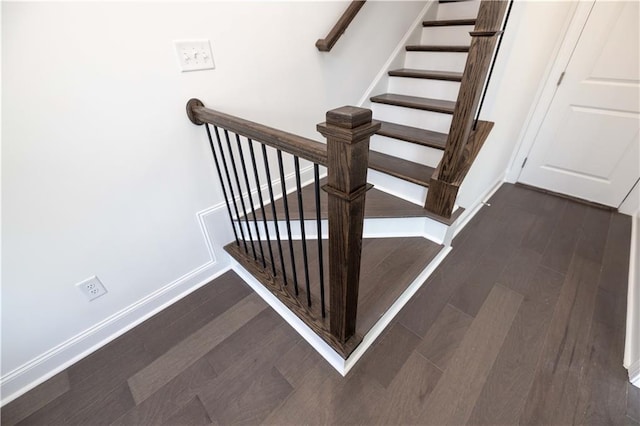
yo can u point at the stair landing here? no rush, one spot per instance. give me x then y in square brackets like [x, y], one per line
[388, 267]
[378, 205]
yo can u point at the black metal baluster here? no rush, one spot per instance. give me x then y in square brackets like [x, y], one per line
[264, 217]
[296, 161]
[316, 177]
[244, 208]
[253, 210]
[286, 215]
[224, 191]
[273, 210]
[233, 196]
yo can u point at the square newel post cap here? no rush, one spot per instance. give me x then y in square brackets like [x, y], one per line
[349, 123]
[348, 117]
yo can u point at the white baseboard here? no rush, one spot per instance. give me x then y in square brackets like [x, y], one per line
[333, 358]
[634, 374]
[307, 334]
[57, 359]
[632, 341]
[470, 212]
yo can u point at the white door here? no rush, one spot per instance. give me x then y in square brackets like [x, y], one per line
[587, 145]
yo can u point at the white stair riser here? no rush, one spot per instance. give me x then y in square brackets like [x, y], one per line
[406, 150]
[451, 35]
[434, 121]
[458, 10]
[400, 188]
[436, 61]
[373, 228]
[435, 89]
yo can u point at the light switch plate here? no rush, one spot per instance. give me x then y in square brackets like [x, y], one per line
[194, 55]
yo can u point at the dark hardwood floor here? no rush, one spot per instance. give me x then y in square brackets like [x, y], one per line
[378, 205]
[523, 323]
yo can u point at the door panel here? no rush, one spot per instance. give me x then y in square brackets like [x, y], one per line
[588, 145]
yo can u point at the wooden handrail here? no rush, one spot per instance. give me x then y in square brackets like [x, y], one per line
[299, 146]
[445, 182]
[345, 155]
[327, 43]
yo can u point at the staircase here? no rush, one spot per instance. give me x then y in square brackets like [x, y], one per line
[311, 238]
[416, 111]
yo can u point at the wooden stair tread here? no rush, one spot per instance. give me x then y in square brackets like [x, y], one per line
[428, 74]
[427, 104]
[388, 267]
[403, 169]
[436, 48]
[413, 134]
[378, 205]
[449, 22]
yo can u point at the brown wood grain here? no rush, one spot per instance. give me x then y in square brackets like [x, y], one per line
[455, 395]
[460, 152]
[396, 343]
[251, 387]
[448, 22]
[42, 395]
[170, 398]
[415, 102]
[157, 374]
[413, 134]
[378, 204]
[475, 73]
[564, 237]
[426, 74]
[436, 48]
[302, 147]
[402, 169]
[347, 130]
[192, 414]
[554, 393]
[504, 393]
[443, 338]
[327, 43]
[408, 391]
[235, 382]
[442, 194]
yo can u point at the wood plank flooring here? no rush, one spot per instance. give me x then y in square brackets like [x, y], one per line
[378, 205]
[523, 323]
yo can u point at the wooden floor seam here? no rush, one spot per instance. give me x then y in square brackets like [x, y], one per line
[522, 323]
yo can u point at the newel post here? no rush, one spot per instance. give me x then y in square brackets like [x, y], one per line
[347, 130]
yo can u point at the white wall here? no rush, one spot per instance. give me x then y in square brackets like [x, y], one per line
[532, 38]
[103, 174]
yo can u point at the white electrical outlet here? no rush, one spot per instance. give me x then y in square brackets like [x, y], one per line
[92, 288]
[194, 55]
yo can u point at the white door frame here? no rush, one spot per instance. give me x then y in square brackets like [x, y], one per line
[547, 90]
